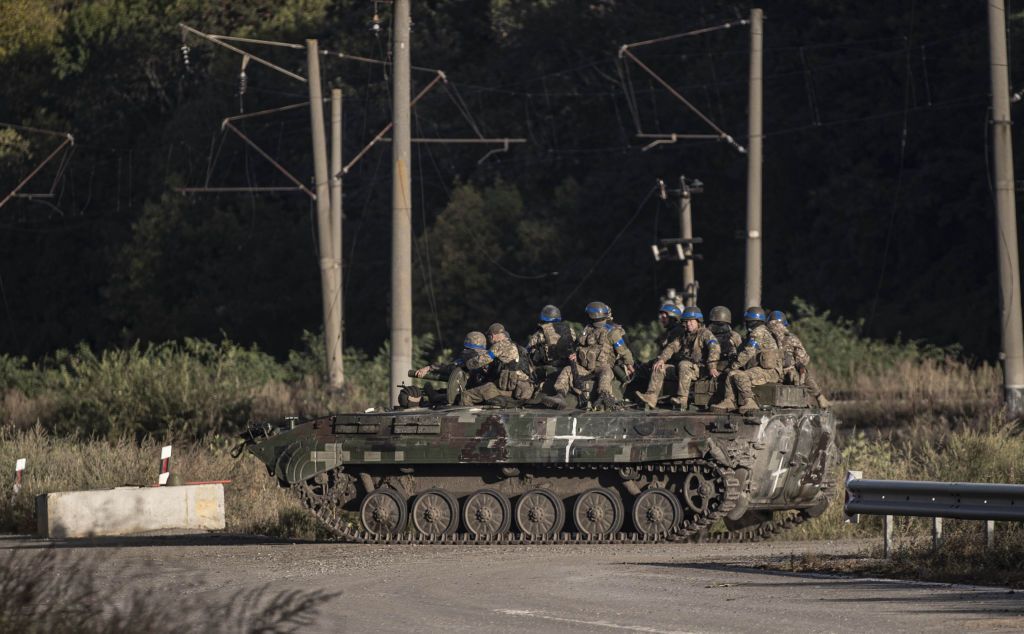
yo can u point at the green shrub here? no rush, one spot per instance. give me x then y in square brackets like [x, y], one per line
[188, 389]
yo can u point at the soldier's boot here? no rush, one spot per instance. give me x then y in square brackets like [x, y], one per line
[681, 402]
[649, 399]
[606, 402]
[823, 402]
[748, 405]
[410, 396]
[727, 404]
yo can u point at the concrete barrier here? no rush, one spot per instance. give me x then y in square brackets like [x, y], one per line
[127, 510]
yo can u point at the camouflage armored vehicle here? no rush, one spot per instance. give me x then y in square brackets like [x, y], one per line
[490, 475]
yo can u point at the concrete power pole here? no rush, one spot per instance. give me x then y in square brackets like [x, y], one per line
[686, 231]
[752, 294]
[336, 227]
[401, 205]
[1006, 215]
[328, 258]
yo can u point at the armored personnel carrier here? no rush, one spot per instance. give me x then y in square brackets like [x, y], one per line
[493, 475]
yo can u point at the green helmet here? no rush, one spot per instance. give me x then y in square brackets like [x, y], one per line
[496, 329]
[475, 340]
[720, 314]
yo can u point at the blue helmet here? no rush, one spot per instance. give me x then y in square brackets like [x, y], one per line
[549, 314]
[692, 312]
[598, 310]
[778, 315]
[754, 313]
[671, 310]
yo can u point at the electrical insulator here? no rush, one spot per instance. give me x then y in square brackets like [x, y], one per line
[184, 55]
[375, 25]
[242, 82]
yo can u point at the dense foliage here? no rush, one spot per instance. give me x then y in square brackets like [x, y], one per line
[877, 194]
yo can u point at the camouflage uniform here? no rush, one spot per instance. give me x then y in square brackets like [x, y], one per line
[729, 342]
[795, 360]
[504, 362]
[460, 376]
[752, 352]
[689, 352]
[551, 345]
[599, 347]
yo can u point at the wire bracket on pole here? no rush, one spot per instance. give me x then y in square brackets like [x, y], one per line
[68, 142]
[720, 134]
[380, 135]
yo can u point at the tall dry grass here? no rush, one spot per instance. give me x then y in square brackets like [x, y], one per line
[254, 503]
[989, 449]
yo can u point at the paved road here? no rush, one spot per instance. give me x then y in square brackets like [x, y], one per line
[652, 588]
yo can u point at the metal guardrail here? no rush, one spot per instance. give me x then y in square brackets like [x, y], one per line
[938, 500]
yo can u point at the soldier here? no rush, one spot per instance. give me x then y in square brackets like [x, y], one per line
[601, 345]
[695, 350]
[508, 371]
[455, 372]
[552, 344]
[795, 360]
[720, 324]
[668, 319]
[761, 353]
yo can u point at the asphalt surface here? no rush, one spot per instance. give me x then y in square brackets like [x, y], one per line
[551, 589]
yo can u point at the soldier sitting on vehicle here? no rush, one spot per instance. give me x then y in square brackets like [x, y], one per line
[508, 368]
[720, 324]
[668, 319]
[601, 345]
[762, 354]
[795, 360]
[551, 345]
[693, 353]
[455, 372]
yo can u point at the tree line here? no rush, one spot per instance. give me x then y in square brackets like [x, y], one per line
[877, 188]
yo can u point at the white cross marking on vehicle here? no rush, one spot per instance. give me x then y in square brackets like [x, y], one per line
[778, 473]
[571, 438]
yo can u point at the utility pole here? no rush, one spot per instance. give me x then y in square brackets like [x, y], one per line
[752, 294]
[401, 205]
[681, 248]
[1006, 215]
[328, 189]
[336, 228]
[330, 290]
[686, 231]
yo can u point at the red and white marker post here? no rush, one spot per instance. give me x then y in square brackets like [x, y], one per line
[852, 475]
[165, 465]
[19, 467]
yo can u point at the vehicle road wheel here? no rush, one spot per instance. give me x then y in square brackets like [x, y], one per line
[487, 512]
[598, 511]
[656, 512]
[540, 513]
[384, 512]
[435, 512]
[697, 492]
